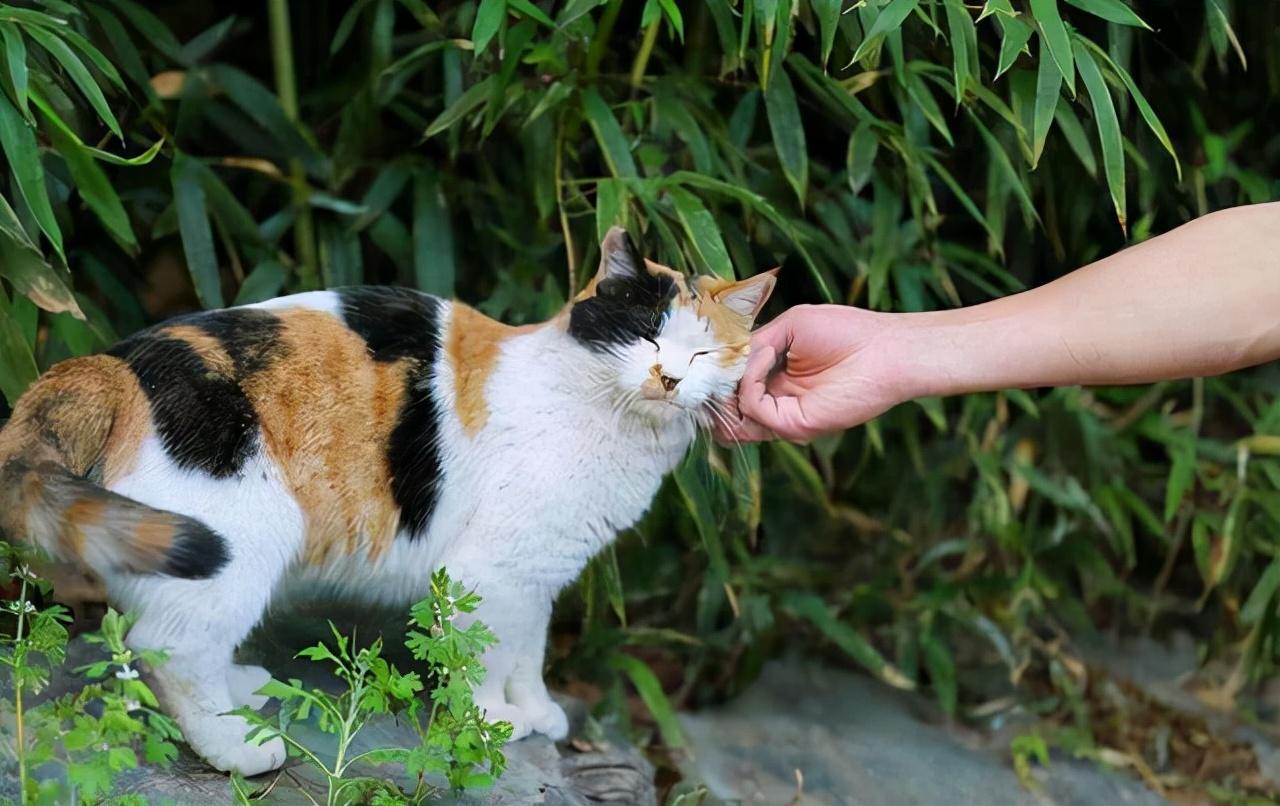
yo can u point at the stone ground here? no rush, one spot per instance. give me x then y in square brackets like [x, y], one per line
[803, 735]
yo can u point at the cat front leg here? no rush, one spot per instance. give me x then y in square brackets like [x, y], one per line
[513, 689]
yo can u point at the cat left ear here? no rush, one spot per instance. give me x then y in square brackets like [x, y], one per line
[619, 258]
[747, 297]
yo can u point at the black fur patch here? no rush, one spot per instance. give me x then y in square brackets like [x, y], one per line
[204, 418]
[251, 337]
[401, 323]
[626, 308]
[197, 552]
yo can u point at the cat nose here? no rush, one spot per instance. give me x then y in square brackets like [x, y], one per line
[668, 382]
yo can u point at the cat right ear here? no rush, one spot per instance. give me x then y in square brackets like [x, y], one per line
[619, 258]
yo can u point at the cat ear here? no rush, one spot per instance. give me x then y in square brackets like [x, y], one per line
[747, 297]
[619, 258]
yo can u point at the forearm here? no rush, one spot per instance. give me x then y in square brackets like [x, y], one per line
[1202, 299]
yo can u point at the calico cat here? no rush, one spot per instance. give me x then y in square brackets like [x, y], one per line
[356, 439]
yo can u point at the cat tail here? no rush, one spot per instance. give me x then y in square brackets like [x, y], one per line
[72, 519]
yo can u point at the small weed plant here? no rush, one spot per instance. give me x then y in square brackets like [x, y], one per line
[72, 748]
[457, 748]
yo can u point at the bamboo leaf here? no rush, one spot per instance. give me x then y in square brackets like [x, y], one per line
[1221, 33]
[19, 142]
[94, 187]
[1263, 595]
[811, 608]
[17, 365]
[434, 262]
[1140, 100]
[788, 132]
[15, 55]
[1048, 87]
[942, 672]
[489, 18]
[197, 236]
[890, 18]
[465, 103]
[1104, 115]
[704, 234]
[1182, 475]
[828, 14]
[79, 75]
[1053, 33]
[527, 9]
[919, 93]
[1112, 11]
[611, 202]
[1013, 41]
[697, 498]
[263, 283]
[654, 698]
[964, 44]
[31, 275]
[861, 156]
[613, 143]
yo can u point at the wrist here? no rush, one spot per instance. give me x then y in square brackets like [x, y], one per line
[942, 353]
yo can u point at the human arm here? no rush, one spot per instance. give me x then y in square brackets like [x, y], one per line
[1202, 299]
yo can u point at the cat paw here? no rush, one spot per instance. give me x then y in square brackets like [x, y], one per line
[549, 719]
[220, 741]
[243, 682]
[505, 712]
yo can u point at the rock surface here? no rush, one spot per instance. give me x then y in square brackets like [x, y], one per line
[808, 735]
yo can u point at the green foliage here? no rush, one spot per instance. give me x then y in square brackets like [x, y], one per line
[457, 743]
[894, 154]
[71, 748]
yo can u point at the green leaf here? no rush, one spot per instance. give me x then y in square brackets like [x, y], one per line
[197, 236]
[31, 275]
[920, 93]
[654, 698]
[672, 13]
[611, 203]
[1002, 162]
[1104, 115]
[613, 143]
[861, 156]
[813, 609]
[489, 18]
[17, 364]
[1221, 32]
[527, 9]
[942, 672]
[1071, 129]
[79, 74]
[152, 29]
[964, 46]
[693, 489]
[1053, 32]
[263, 283]
[1048, 87]
[1111, 11]
[828, 14]
[788, 132]
[18, 140]
[434, 263]
[890, 18]
[1263, 594]
[463, 105]
[1144, 108]
[15, 54]
[1002, 8]
[1014, 37]
[703, 232]
[94, 187]
[1182, 475]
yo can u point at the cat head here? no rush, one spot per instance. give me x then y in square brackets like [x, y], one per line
[667, 343]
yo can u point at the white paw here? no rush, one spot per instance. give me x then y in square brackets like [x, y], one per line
[220, 741]
[243, 683]
[549, 719]
[505, 712]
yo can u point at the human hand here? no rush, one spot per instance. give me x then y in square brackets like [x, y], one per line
[816, 369]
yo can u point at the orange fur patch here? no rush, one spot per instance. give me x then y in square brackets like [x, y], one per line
[208, 347]
[472, 344]
[326, 413]
[153, 536]
[730, 328]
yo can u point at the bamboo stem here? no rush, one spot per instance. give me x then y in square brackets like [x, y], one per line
[642, 56]
[287, 89]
